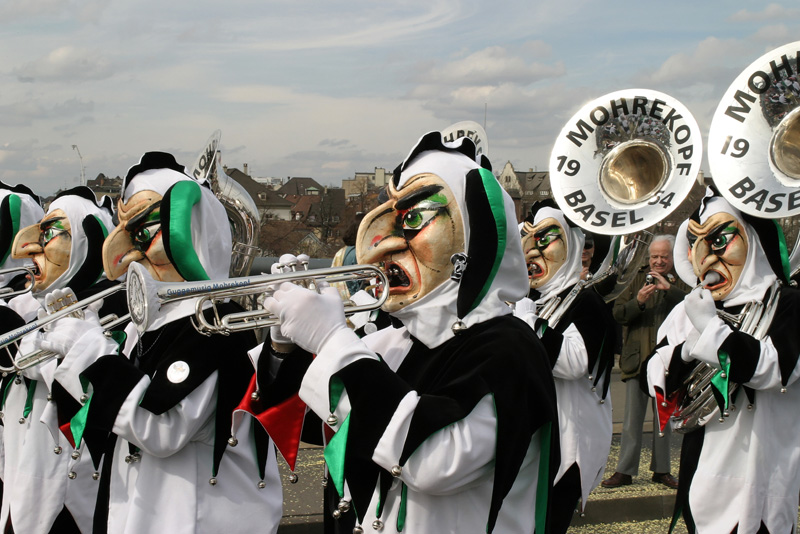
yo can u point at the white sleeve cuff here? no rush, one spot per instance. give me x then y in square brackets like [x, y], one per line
[709, 342]
[87, 350]
[342, 349]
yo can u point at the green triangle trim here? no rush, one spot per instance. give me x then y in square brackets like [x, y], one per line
[29, 399]
[334, 456]
[720, 379]
[401, 512]
[335, 394]
[77, 424]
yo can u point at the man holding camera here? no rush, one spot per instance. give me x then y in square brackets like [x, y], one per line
[641, 308]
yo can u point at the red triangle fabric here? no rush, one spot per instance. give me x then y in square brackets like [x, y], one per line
[67, 431]
[666, 407]
[283, 422]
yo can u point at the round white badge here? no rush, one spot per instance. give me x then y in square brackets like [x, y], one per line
[178, 372]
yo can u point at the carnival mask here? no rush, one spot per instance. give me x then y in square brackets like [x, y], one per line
[545, 250]
[137, 238]
[49, 245]
[720, 246]
[412, 237]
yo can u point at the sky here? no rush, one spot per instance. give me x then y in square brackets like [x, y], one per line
[326, 89]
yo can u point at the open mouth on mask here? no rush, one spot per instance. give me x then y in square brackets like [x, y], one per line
[714, 280]
[398, 278]
[534, 270]
[37, 271]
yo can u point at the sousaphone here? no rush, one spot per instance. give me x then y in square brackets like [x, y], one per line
[239, 205]
[621, 164]
[754, 158]
[754, 139]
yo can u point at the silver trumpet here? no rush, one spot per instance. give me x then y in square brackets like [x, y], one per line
[147, 296]
[70, 307]
[7, 292]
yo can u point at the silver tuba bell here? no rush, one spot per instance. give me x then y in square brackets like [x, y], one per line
[239, 205]
[620, 165]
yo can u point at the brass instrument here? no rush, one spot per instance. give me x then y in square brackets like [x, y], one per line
[621, 164]
[75, 309]
[7, 292]
[698, 404]
[754, 138]
[242, 212]
[146, 296]
[754, 156]
[609, 283]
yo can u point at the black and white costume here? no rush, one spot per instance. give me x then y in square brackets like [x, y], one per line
[580, 349]
[44, 471]
[436, 431]
[742, 474]
[164, 398]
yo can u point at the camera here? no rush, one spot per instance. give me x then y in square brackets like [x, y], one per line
[649, 280]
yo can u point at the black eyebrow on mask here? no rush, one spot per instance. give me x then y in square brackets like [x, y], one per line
[416, 196]
[136, 219]
[544, 231]
[718, 230]
[44, 225]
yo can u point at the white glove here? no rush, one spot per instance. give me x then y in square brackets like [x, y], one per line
[700, 308]
[308, 318]
[524, 306]
[60, 335]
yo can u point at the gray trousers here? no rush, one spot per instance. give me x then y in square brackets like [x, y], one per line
[636, 402]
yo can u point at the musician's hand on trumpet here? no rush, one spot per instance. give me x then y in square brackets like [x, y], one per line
[309, 318]
[64, 334]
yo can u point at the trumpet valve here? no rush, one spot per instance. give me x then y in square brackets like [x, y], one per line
[303, 259]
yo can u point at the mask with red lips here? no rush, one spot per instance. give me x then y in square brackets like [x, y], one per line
[718, 252]
[412, 236]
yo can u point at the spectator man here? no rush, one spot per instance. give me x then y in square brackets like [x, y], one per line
[642, 308]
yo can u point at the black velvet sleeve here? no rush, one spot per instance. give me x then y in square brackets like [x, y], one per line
[9, 320]
[744, 350]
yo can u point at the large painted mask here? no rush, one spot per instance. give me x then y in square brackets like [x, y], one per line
[65, 245]
[138, 238]
[48, 244]
[718, 251]
[413, 236]
[447, 239]
[19, 208]
[170, 223]
[545, 250]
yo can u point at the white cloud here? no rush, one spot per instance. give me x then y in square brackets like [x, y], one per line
[706, 61]
[66, 64]
[770, 12]
[492, 65]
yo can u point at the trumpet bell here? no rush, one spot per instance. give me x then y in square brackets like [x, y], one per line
[146, 296]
